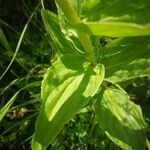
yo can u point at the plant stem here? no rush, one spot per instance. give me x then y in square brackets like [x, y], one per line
[73, 17]
[148, 144]
[84, 38]
[42, 3]
[68, 11]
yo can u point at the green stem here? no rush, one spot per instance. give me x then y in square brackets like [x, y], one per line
[42, 3]
[84, 38]
[72, 15]
[148, 144]
[68, 11]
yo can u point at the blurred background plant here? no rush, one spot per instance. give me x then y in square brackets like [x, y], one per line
[23, 78]
[25, 73]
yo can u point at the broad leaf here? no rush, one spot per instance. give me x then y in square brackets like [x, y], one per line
[117, 10]
[66, 99]
[70, 87]
[126, 58]
[123, 50]
[115, 17]
[121, 119]
[67, 66]
[134, 69]
[113, 29]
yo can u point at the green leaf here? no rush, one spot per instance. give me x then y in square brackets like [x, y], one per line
[5, 109]
[121, 119]
[123, 50]
[89, 10]
[134, 69]
[126, 58]
[60, 43]
[67, 66]
[113, 29]
[117, 10]
[69, 34]
[65, 91]
[115, 18]
[64, 101]
[4, 41]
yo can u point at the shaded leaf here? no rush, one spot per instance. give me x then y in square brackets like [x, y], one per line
[69, 34]
[123, 50]
[5, 109]
[4, 41]
[117, 10]
[126, 58]
[61, 44]
[121, 119]
[70, 15]
[137, 68]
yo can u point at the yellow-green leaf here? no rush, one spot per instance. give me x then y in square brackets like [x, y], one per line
[113, 29]
[121, 119]
[65, 67]
[126, 58]
[65, 98]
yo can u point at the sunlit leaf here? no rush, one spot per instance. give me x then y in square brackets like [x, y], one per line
[115, 18]
[66, 99]
[67, 66]
[113, 29]
[121, 119]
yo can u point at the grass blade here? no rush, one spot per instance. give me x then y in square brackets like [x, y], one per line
[5, 109]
